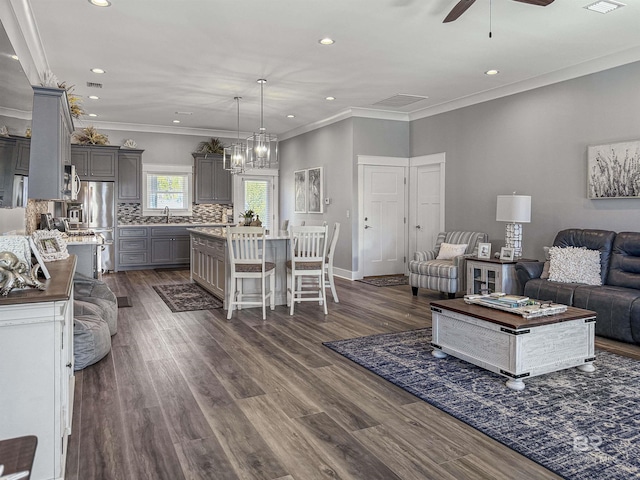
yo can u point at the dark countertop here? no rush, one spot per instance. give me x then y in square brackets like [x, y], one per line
[58, 286]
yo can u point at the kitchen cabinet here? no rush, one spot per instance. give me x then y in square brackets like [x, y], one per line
[208, 260]
[169, 245]
[213, 183]
[50, 149]
[129, 184]
[36, 350]
[7, 148]
[22, 151]
[488, 275]
[95, 162]
[133, 247]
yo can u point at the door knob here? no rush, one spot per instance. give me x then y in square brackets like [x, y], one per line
[367, 226]
[418, 227]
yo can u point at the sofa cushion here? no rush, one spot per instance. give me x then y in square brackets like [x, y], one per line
[617, 308]
[435, 268]
[450, 250]
[601, 240]
[545, 290]
[574, 265]
[624, 270]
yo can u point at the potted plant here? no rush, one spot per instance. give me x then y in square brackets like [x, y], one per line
[248, 217]
[211, 146]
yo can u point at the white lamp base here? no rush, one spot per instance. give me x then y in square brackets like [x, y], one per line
[513, 238]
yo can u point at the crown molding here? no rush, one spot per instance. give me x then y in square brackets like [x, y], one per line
[13, 113]
[589, 67]
[144, 128]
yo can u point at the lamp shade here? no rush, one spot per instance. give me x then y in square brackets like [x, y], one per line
[513, 208]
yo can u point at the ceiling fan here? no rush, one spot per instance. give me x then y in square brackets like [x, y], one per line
[463, 5]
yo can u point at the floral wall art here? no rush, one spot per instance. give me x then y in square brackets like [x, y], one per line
[614, 170]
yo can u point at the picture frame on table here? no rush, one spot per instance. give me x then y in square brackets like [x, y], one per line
[507, 253]
[484, 250]
[300, 190]
[50, 244]
[315, 190]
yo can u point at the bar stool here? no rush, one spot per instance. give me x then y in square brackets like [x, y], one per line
[308, 257]
[328, 267]
[246, 247]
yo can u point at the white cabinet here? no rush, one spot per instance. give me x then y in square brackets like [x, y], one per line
[208, 261]
[491, 275]
[36, 354]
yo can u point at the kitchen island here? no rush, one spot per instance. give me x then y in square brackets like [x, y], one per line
[210, 263]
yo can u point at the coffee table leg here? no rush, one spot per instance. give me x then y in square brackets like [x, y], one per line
[587, 367]
[515, 384]
[438, 353]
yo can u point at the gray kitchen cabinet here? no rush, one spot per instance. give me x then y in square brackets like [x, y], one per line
[95, 162]
[133, 247]
[170, 245]
[50, 151]
[212, 182]
[129, 184]
[7, 148]
[21, 155]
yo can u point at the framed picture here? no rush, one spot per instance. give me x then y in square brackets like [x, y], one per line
[484, 250]
[506, 253]
[300, 189]
[50, 244]
[613, 170]
[315, 190]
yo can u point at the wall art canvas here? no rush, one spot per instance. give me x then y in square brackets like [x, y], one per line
[613, 170]
[300, 189]
[315, 190]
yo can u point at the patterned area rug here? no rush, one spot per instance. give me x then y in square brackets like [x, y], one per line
[579, 425]
[386, 281]
[186, 297]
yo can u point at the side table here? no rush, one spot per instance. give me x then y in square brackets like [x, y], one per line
[488, 275]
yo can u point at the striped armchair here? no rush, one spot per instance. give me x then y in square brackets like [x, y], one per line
[447, 276]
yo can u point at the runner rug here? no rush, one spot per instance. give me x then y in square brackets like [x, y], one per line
[578, 425]
[186, 297]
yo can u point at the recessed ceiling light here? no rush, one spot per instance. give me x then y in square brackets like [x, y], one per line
[330, 98]
[291, 116]
[492, 72]
[605, 6]
[94, 97]
[93, 114]
[97, 70]
[100, 3]
[326, 41]
[15, 57]
[176, 121]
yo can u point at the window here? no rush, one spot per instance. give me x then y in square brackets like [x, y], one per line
[166, 186]
[258, 191]
[257, 197]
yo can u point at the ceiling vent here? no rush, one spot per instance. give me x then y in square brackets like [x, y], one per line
[605, 6]
[400, 100]
[94, 85]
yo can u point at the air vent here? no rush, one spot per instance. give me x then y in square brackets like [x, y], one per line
[94, 85]
[400, 100]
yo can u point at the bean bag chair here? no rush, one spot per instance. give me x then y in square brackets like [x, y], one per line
[91, 340]
[94, 291]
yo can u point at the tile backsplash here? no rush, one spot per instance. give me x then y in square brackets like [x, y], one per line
[32, 214]
[131, 214]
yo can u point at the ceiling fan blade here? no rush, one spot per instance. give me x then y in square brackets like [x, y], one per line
[541, 3]
[458, 10]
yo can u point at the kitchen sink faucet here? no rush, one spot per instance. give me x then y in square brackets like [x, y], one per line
[167, 212]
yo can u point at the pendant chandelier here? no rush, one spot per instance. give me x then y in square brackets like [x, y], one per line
[233, 158]
[262, 147]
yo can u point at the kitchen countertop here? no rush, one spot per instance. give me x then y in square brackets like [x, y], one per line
[221, 233]
[173, 225]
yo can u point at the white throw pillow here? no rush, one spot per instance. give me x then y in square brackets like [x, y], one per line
[574, 265]
[451, 250]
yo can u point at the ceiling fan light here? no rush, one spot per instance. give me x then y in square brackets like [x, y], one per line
[604, 6]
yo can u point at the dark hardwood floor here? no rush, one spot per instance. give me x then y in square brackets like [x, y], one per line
[194, 396]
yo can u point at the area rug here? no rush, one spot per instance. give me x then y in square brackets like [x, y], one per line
[186, 297]
[124, 302]
[386, 281]
[578, 425]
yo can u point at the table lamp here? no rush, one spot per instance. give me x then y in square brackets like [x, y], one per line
[514, 209]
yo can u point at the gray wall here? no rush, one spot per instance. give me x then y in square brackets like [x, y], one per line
[535, 143]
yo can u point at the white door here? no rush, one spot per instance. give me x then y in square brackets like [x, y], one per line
[384, 237]
[427, 203]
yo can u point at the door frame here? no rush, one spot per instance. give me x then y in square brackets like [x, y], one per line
[414, 163]
[371, 160]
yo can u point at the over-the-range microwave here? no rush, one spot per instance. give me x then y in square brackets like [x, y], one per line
[70, 183]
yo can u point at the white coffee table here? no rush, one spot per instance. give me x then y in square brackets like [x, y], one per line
[509, 345]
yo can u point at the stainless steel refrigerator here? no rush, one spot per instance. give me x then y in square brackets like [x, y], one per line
[97, 212]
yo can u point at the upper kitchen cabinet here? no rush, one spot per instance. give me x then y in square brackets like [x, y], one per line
[21, 156]
[129, 176]
[51, 128]
[95, 162]
[212, 181]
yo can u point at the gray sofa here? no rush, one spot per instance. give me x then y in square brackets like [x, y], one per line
[616, 301]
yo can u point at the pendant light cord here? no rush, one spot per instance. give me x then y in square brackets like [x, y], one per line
[490, 5]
